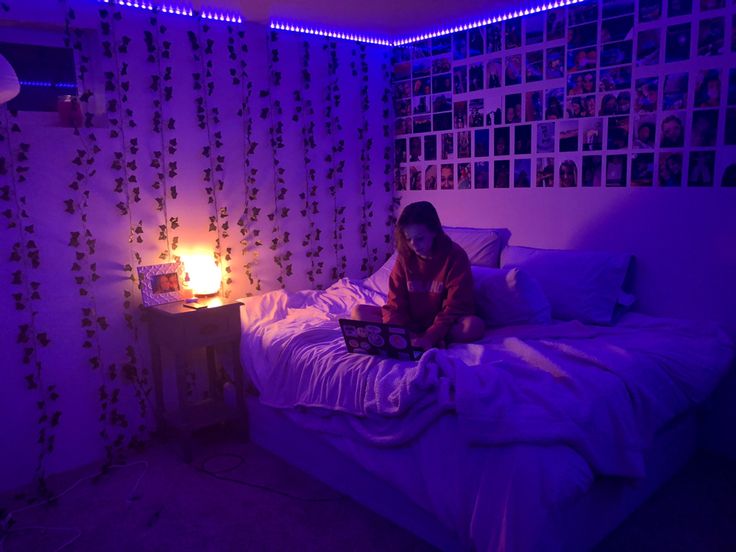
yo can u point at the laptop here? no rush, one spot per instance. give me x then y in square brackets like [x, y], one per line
[375, 338]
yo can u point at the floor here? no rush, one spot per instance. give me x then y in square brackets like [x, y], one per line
[237, 496]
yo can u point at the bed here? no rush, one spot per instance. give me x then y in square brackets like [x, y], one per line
[540, 436]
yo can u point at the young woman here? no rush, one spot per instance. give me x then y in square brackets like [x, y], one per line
[431, 286]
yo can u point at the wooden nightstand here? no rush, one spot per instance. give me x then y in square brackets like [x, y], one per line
[180, 330]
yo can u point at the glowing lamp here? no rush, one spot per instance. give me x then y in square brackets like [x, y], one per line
[203, 274]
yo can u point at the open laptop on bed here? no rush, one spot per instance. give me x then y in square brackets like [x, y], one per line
[375, 338]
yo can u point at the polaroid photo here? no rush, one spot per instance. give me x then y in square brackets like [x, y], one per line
[402, 108]
[421, 87]
[588, 106]
[672, 130]
[555, 67]
[430, 177]
[400, 151]
[415, 149]
[441, 45]
[568, 172]
[554, 103]
[430, 147]
[618, 133]
[711, 36]
[513, 108]
[447, 142]
[459, 45]
[482, 143]
[708, 88]
[420, 49]
[591, 177]
[577, 15]
[522, 173]
[555, 25]
[701, 168]
[441, 65]
[493, 38]
[728, 180]
[730, 127]
[415, 178]
[422, 123]
[618, 78]
[582, 59]
[591, 134]
[442, 83]
[581, 83]
[621, 28]
[616, 169]
[617, 53]
[475, 42]
[705, 128]
[463, 144]
[645, 132]
[475, 112]
[568, 136]
[501, 174]
[460, 79]
[421, 68]
[522, 139]
[501, 141]
[545, 174]
[574, 107]
[584, 35]
[481, 175]
[441, 102]
[513, 71]
[647, 47]
[646, 99]
[475, 77]
[670, 169]
[460, 114]
[400, 54]
[731, 98]
[420, 105]
[464, 177]
[534, 66]
[534, 29]
[616, 8]
[649, 10]
[674, 91]
[676, 8]
[707, 5]
[642, 169]
[402, 89]
[442, 121]
[402, 126]
[401, 71]
[545, 137]
[401, 178]
[512, 33]
[447, 177]
[534, 106]
[677, 43]
[494, 73]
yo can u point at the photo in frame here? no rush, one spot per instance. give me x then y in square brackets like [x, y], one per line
[162, 283]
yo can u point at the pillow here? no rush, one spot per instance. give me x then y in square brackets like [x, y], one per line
[378, 281]
[507, 297]
[580, 285]
[483, 245]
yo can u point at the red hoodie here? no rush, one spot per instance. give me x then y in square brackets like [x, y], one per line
[429, 295]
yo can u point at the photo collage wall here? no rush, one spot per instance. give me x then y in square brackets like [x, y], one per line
[616, 93]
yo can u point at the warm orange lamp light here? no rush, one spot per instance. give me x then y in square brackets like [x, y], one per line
[203, 274]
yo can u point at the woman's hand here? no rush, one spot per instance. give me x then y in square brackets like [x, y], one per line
[421, 342]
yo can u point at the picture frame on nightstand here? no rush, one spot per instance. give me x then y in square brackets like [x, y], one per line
[161, 283]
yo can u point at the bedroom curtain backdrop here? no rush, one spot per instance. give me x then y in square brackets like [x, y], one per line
[270, 150]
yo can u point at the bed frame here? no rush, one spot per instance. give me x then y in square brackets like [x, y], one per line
[583, 523]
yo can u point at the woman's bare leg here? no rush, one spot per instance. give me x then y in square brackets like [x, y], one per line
[367, 313]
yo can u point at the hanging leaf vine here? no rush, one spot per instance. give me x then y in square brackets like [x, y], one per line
[163, 159]
[26, 288]
[121, 120]
[304, 113]
[208, 119]
[334, 160]
[388, 157]
[279, 237]
[237, 50]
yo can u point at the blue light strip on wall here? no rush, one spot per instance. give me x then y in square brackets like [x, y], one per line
[216, 15]
[415, 38]
[46, 84]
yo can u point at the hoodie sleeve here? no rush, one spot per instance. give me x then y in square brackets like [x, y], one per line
[459, 301]
[396, 309]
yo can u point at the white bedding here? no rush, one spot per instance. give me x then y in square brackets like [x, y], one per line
[536, 411]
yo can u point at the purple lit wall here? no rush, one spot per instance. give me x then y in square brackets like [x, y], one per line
[270, 150]
[605, 125]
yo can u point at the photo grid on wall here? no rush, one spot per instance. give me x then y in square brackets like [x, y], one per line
[601, 94]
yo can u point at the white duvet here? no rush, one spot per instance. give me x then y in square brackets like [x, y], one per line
[588, 398]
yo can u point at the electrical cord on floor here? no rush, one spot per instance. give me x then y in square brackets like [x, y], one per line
[8, 520]
[240, 460]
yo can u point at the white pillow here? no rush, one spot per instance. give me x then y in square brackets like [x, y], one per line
[580, 285]
[507, 297]
[378, 281]
[483, 245]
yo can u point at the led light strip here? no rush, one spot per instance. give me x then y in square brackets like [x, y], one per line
[487, 21]
[332, 34]
[48, 84]
[230, 17]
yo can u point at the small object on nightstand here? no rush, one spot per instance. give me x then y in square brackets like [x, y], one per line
[194, 305]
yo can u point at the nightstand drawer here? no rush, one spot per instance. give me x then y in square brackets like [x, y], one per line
[209, 327]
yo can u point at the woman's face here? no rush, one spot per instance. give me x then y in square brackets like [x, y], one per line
[419, 238]
[567, 175]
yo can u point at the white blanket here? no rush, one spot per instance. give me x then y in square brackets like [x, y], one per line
[602, 391]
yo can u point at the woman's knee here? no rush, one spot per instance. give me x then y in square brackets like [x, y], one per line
[367, 313]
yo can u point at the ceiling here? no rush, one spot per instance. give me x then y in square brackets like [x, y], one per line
[393, 18]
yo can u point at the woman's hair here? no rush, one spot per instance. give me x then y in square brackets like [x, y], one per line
[419, 212]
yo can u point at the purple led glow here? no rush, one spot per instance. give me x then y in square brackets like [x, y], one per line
[230, 17]
[332, 34]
